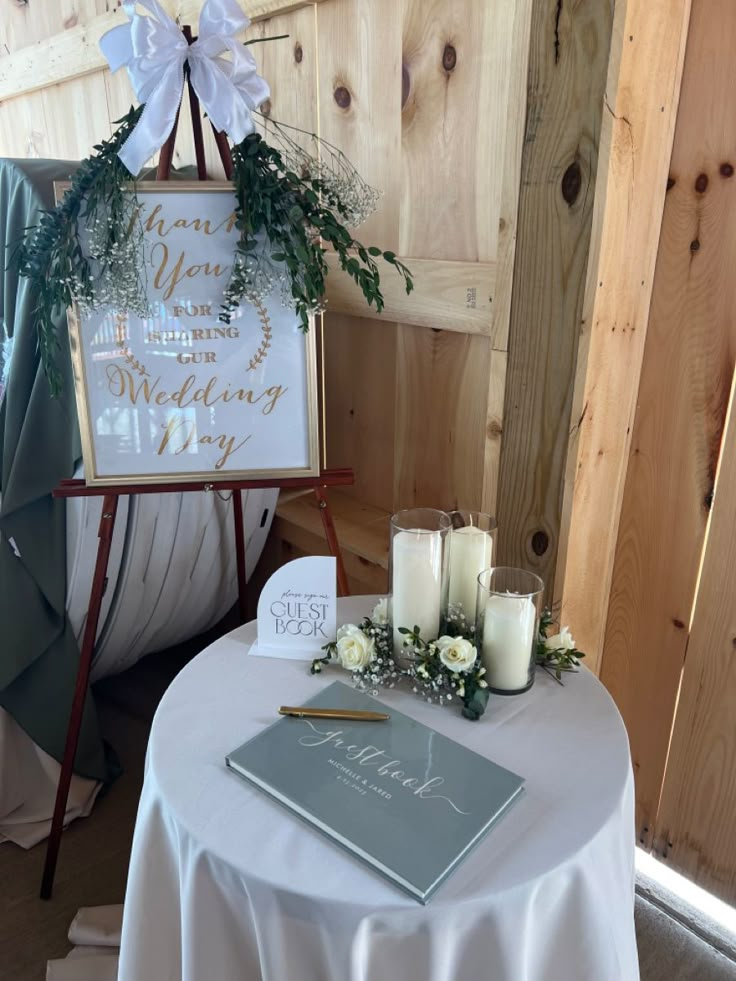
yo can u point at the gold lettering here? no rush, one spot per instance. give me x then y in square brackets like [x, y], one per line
[168, 280]
[186, 431]
[196, 357]
[122, 383]
[158, 224]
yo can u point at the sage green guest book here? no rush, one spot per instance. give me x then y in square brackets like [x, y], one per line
[398, 795]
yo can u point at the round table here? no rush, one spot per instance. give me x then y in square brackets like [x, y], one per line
[226, 884]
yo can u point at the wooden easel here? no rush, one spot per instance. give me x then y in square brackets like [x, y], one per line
[111, 495]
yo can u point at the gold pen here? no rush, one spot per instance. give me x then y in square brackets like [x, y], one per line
[317, 713]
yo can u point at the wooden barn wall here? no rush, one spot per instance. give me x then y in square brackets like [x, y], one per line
[568, 61]
[671, 624]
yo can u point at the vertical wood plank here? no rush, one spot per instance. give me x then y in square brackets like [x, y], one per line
[460, 187]
[440, 418]
[683, 395]
[641, 115]
[567, 73]
[359, 52]
[77, 116]
[23, 129]
[696, 825]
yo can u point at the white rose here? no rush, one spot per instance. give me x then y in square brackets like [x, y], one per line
[561, 640]
[380, 611]
[456, 653]
[355, 650]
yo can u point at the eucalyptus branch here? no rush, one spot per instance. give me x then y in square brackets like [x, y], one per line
[284, 218]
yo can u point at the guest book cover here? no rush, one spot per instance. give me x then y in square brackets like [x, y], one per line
[405, 799]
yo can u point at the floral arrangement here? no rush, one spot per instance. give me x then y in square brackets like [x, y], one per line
[558, 653]
[444, 670]
[295, 194]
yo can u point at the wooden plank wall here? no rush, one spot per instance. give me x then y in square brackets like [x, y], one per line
[688, 365]
[641, 108]
[696, 824]
[567, 73]
[432, 114]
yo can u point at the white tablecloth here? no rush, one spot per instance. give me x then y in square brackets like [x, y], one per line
[227, 885]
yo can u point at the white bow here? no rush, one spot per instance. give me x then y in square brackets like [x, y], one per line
[154, 51]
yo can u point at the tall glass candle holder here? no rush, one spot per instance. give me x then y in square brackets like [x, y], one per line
[418, 574]
[509, 606]
[472, 545]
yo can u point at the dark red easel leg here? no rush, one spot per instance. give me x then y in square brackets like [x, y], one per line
[107, 524]
[224, 150]
[240, 555]
[331, 535]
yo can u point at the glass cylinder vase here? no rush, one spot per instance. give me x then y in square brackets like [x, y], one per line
[472, 546]
[418, 574]
[509, 605]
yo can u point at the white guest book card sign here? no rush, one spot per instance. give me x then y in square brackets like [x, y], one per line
[171, 391]
[297, 609]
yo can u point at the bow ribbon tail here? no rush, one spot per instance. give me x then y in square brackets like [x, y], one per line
[156, 122]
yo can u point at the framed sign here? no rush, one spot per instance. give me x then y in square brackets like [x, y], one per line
[176, 394]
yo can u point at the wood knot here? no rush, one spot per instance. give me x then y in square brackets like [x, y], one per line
[266, 107]
[494, 429]
[449, 58]
[701, 183]
[726, 170]
[298, 53]
[572, 181]
[678, 623]
[405, 85]
[695, 245]
[540, 542]
[670, 183]
[342, 97]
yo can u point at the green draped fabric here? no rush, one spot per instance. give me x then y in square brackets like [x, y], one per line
[39, 445]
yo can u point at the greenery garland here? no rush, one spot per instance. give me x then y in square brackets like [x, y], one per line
[89, 249]
[446, 670]
[54, 257]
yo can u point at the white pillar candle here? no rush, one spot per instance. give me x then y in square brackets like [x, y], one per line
[508, 635]
[417, 584]
[470, 554]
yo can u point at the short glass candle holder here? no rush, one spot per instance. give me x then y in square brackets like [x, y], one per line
[472, 547]
[418, 575]
[509, 605]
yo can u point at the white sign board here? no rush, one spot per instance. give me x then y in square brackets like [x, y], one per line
[297, 609]
[179, 395]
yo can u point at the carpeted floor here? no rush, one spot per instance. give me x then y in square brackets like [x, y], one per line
[94, 857]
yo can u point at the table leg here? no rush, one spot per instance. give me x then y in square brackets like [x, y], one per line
[107, 524]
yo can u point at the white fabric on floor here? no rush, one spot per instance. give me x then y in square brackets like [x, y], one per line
[99, 925]
[28, 787]
[99, 967]
[225, 883]
[96, 930]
